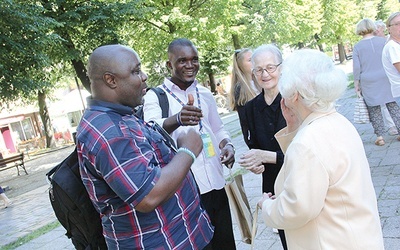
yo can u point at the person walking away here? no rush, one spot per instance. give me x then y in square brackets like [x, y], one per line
[192, 106]
[6, 200]
[391, 55]
[381, 31]
[370, 80]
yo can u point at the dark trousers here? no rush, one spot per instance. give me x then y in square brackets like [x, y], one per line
[216, 204]
[283, 238]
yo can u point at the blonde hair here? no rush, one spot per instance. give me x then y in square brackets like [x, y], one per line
[241, 81]
[365, 26]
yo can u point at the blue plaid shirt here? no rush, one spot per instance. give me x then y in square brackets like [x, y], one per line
[120, 162]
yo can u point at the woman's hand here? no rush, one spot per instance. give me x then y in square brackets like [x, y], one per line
[265, 197]
[254, 160]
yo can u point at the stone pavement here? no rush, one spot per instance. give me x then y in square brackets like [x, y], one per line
[32, 210]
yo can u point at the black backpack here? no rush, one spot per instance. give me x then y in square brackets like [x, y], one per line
[70, 200]
[162, 100]
[72, 205]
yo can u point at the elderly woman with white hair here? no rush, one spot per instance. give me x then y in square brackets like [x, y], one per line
[324, 196]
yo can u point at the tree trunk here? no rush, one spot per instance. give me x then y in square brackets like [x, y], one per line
[80, 70]
[317, 39]
[341, 52]
[212, 82]
[44, 114]
[236, 43]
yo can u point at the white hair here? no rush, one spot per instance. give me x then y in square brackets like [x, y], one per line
[379, 24]
[314, 76]
[271, 48]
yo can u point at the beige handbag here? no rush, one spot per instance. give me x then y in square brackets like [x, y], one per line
[240, 205]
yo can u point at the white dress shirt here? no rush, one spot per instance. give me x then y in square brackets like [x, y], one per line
[390, 56]
[208, 172]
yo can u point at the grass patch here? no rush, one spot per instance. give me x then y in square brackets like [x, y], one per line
[350, 78]
[35, 234]
[239, 133]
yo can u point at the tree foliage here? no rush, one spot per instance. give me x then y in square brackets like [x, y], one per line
[41, 41]
[25, 36]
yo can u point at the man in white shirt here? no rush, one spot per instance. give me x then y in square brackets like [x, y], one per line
[391, 54]
[192, 105]
[380, 31]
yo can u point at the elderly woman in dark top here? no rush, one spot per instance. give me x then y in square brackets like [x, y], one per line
[263, 119]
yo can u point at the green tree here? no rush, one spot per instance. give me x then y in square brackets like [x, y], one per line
[26, 36]
[339, 19]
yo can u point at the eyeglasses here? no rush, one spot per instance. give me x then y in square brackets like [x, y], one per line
[395, 24]
[271, 68]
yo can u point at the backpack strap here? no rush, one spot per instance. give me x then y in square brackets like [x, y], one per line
[163, 100]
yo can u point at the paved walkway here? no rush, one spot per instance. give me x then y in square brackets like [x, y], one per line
[33, 210]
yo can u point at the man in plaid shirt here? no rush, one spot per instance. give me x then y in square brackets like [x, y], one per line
[142, 188]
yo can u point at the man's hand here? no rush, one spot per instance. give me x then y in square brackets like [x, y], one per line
[190, 140]
[189, 114]
[227, 155]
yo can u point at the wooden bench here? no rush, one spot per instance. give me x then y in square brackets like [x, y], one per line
[13, 161]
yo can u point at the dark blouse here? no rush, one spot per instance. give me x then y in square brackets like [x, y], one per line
[260, 124]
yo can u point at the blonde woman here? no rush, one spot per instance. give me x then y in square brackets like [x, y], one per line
[243, 88]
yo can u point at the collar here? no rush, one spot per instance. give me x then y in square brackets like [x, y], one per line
[98, 105]
[315, 116]
[173, 87]
[261, 104]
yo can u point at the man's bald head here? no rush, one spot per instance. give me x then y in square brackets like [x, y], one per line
[107, 59]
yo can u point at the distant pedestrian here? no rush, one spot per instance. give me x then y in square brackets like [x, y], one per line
[370, 80]
[3, 196]
[381, 31]
[391, 55]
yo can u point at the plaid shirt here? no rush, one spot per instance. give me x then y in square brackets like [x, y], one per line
[121, 159]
